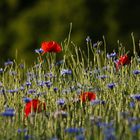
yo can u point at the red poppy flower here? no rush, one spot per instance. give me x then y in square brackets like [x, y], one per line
[123, 60]
[50, 46]
[90, 96]
[35, 106]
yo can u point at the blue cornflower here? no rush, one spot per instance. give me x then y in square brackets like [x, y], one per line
[135, 128]
[1, 70]
[66, 72]
[95, 45]
[80, 137]
[136, 72]
[111, 55]
[48, 84]
[108, 127]
[13, 90]
[42, 83]
[61, 102]
[102, 77]
[132, 104]
[49, 75]
[111, 85]
[28, 83]
[22, 130]
[95, 102]
[8, 63]
[88, 39]
[9, 112]
[55, 89]
[19, 130]
[136, 97]
[132, 119]
[96, 120]
[103, 102]
[28, 137]
[116, 61]
[22, 88]
[2, 91]
[31, 91]
[74, 130]
[39, 51]
[9, 109]
[109, 133]
[26, 99]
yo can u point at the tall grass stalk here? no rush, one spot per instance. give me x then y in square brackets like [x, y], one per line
[115, 116]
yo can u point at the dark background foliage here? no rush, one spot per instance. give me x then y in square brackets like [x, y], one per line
[24, 24]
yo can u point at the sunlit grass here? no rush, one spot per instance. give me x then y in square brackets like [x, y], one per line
[113, 118]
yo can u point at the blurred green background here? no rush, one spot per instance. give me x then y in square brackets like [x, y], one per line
[24, 24]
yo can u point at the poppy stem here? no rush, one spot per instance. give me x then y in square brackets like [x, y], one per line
[40, 59]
